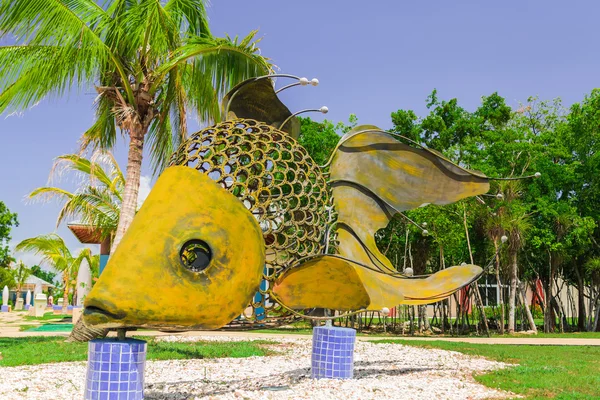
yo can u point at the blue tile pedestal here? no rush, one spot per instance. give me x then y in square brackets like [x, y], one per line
[115, 369]
[333, 352]
[4, 309]
[26, 307]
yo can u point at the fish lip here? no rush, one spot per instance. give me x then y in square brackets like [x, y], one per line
[95, 309]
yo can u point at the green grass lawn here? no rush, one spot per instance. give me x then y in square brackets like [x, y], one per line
[49, 316]
[558, 372]
[40, 350]
[567, 335]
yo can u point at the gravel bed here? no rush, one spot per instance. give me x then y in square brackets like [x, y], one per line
[381, 371]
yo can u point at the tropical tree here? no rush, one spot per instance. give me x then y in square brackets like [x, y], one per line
[57, 255]
[97, 201]
[21, 273]
[48, 276]
[153, 63]
[7, 278]
[7, 221]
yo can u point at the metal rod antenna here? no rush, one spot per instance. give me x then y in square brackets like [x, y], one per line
[517, 178]
[301, 82]
[322, 110]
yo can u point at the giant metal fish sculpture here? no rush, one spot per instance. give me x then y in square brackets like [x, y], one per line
[243, 222]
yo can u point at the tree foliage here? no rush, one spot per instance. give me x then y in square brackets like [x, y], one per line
[8, 220]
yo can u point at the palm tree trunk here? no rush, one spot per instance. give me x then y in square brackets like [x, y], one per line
[526, 307]
[132, 183]
[549, 316]
[499, 286]
[581, 317]
[66, 294]
[478, 299]
[513, 291]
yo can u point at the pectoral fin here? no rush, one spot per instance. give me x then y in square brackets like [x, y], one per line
[330, 281]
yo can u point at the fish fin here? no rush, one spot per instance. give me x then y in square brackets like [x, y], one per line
[374, 175]
[322, 281]
[438, 286]
[256, 99]
[331, 281]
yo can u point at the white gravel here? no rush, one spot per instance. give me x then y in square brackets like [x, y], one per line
[381, 371]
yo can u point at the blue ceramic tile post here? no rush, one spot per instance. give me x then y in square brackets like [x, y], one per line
[115, 369]
[333, 352]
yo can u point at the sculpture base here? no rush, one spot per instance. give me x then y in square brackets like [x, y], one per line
[115, 369]
[333, 352]
[4, 309]
[27, 307]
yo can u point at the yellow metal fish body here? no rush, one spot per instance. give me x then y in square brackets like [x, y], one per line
[146, 283]
[242, 202]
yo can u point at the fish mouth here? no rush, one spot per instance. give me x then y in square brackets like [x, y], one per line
[96, 314]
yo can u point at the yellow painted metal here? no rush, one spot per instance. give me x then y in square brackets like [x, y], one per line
[276, 179]
[145, 283]
[255, 196]
[402, 176]
[373, 177]
[353, 287]
[323, 282]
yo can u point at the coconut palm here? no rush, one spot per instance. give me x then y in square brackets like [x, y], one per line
[153, 64]
[515, 223]
[97, 201]
[21, 273]
[56, 254]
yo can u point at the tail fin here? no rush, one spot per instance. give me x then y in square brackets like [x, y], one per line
[374, 175]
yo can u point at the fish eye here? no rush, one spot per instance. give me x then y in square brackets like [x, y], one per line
[195, 255]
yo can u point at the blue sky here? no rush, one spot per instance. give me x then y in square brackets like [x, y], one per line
[371, 58]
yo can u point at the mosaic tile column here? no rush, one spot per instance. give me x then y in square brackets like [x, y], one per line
[333, 352]
[115, 369]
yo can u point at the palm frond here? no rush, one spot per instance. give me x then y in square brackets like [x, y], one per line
[103, 133]
[51, 248]
[45, 67]
[190, 16]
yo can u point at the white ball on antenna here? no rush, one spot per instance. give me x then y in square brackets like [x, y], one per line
[462, 264]
[537, 175]
[385, 311]
[499, 196]
[425, 232]
[408, 272]
[504, 238]
[314, 81]
[303, 81]
[324, 110]
[424, 224]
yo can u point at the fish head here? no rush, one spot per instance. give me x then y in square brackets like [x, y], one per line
[192, 258]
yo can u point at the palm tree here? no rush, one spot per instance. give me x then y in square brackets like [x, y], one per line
[57, 255]
[97, 201]
[21, 273]
[152, 62]
[516, 223]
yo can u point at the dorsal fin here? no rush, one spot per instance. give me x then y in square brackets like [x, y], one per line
[256, 99]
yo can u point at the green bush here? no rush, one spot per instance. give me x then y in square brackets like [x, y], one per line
[494, 312]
